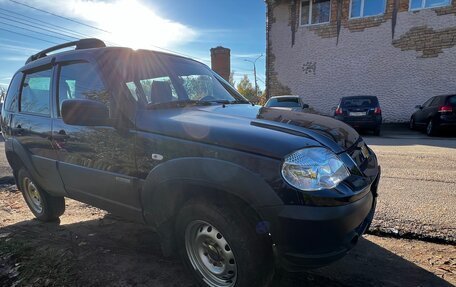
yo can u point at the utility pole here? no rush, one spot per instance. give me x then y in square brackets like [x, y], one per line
[254, 72]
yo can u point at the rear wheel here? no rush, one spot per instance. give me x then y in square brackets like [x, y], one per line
[431, 128]
[44, 206]
[377, 131]
[412, 124]
[220, 248]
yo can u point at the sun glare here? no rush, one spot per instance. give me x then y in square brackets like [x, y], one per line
[132, 24]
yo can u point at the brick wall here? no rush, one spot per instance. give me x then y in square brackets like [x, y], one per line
[403, 57]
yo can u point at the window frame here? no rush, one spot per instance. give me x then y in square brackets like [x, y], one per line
[310, 14]
[17, 93]
[362, 10]
[423, 6]
[51, 90]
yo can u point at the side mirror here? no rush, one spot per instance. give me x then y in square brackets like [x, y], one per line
[305, 106]
[84, 113]
[419, 107]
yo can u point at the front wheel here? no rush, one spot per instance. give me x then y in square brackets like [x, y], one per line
[44, 206]
[431, 128]
[220, 248]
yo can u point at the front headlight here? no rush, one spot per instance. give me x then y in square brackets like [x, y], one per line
[312, 169]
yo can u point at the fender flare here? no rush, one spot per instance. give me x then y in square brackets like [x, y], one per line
[165, 184]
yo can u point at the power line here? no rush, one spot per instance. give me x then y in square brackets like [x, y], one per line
[25, 35]
[41, 22]
[30, 30]
[56, 15]
[36, 27]
[82, 23]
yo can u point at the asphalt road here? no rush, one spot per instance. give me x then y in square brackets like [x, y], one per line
[417, 195]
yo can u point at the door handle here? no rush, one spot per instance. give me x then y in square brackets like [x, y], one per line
[61, 135]
[19, 130]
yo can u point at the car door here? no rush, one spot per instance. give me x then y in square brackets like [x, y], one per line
[421, 114]
[31, 129]
[96, 163]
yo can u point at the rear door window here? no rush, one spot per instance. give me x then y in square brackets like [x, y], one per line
[12, 96]
[36, 91]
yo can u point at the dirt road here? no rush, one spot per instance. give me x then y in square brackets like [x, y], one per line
[92, 248]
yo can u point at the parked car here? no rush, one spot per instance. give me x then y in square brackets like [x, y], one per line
[436, 114]
[361, 112]
[293, 103]
[234, 189]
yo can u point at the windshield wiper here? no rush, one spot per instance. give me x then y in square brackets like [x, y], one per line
[177, 104]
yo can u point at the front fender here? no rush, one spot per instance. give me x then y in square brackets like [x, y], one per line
[166, 184]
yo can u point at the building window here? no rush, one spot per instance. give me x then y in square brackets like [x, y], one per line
[315, 11]
[422, 4]
[367, 8]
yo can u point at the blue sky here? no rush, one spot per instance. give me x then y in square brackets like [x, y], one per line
[189, 27]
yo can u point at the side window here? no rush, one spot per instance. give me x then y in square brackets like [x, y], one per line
[35, 94]
[427, 103]
[81, 81]
[12, 96]
[435, 102]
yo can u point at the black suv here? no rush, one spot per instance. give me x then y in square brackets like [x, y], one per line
[436, 114]
[361, 112]
[161, 139]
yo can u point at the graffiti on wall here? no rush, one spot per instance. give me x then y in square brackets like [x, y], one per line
[310, 68]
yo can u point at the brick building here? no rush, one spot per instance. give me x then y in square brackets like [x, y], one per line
[402, 51]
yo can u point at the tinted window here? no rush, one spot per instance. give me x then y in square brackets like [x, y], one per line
[36, 93]
[81, 81]
[12, 99]
[283, 102]
[427, 103]
[437, 101]
[359, 102]
[452, 101]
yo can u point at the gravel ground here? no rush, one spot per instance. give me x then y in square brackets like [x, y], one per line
[417, 195]
[91, 248]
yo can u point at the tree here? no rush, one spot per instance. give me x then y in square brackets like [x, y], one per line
[246, 89]
[231, 80]
[2, 93]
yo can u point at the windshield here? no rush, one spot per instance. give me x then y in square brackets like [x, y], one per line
[283, 102]
[158, 79]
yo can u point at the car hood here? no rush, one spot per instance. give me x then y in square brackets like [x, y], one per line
[267, 131]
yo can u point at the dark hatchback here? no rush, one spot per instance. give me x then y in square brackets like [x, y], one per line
[435, 115]
[361, 112]
[160, 139]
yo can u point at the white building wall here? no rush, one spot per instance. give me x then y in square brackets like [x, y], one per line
[363, 63]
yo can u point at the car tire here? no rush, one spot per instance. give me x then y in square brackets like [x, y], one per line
[431, 128]
[44, 206]
[377, 131]
[220, 247]
[412, 124]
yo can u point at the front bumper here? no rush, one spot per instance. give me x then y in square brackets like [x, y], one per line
[311, 236]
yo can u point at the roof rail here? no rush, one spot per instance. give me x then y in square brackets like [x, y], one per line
[80, 44]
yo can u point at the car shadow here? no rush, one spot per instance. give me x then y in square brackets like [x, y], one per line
[113, 252]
